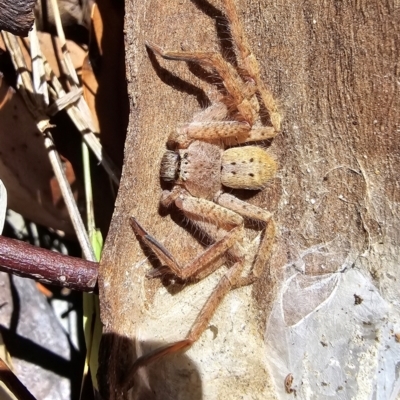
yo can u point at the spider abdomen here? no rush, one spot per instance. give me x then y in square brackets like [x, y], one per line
[248, 167]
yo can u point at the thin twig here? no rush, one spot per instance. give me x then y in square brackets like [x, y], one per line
[38, 74]
[64, 101]
[71, 73]
[81, 124]
[26, 88]
[47, 266]
[85, 117]
[69, 199]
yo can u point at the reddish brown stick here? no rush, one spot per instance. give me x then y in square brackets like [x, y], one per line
[13, 383]
[19, 258]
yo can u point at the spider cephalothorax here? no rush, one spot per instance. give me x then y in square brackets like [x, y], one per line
[203, 168]
[209, 156]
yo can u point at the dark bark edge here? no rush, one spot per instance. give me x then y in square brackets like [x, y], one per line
[16, 16]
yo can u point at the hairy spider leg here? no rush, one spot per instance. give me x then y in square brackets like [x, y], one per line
[249, 63]
[230, 132]
[228, 214]
[198, 327]
[199, 209]
[256, 134]
[231, 279]
[240, 132]
[265, 248]
[231, 79]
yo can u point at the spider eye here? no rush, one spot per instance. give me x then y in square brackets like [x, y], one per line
[169, 166]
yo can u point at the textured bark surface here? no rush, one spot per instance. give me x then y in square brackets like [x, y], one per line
[334, 68]
[17, 16]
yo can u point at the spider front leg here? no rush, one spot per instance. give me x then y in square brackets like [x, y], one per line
[201, 210]
[242, 130]
[231, 132]
[228, 221]
[265, 248]
[232, 279]
[248, 62]
[233, 83]
[198, 327]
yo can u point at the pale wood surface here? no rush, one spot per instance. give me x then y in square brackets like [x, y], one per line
[333, 67]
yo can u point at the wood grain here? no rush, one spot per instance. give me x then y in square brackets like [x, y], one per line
[17, 16]
[334, 68]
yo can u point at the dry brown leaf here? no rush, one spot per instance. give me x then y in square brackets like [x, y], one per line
[24, 165]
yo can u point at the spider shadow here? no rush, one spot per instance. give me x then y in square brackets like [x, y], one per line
[178, 218]
[206, 76]
[116, 357]
[227, 49]
[177, 83]
[171, 282]
[222, 29]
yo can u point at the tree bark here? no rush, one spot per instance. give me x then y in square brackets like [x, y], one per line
[17, 16]
[334, 68]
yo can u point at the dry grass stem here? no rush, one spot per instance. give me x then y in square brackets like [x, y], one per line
[34, 103]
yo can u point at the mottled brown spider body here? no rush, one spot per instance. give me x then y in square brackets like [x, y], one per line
[191, 167]
[209, 156]
[204, 168]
